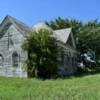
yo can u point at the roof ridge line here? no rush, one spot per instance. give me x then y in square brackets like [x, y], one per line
[10, 18]
[15, 22]
[63, 29]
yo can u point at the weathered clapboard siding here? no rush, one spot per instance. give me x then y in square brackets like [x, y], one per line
[7, 49]
[69, 59]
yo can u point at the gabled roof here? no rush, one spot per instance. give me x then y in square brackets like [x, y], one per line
[41, 25]
[23, 28]
[62, 34]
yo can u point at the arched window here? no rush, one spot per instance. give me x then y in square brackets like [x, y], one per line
[1, 60]
[15, 59]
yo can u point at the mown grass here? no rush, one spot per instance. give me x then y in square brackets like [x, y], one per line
[83, 88]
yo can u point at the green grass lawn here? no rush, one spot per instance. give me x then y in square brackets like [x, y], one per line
[83, 88]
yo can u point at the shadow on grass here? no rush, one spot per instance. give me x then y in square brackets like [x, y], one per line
[88, 71]
[80, 73]
[83, 72]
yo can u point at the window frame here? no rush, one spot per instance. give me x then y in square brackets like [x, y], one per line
[15, 59]
[2, 60]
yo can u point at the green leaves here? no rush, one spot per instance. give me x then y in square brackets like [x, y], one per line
[42, 53]
[85, 34]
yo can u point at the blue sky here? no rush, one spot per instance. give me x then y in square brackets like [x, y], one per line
[34, 11]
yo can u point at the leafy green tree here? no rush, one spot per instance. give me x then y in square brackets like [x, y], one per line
[60, 23]
[87, 35]
[42, 54]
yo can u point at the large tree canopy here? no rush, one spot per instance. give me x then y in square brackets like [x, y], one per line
[42, 54]
[87, 35]
[60, 23]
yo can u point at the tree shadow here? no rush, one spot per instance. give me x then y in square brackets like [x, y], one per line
[88, 71]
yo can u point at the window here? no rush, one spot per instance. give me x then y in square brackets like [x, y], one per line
[10, 41]
[1, 60]
[15, 59]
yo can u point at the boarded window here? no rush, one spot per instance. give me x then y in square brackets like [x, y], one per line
[15, 59]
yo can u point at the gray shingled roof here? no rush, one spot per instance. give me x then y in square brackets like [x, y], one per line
[61, 35]
[41, 25]
[4, 26]
[23, 28]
